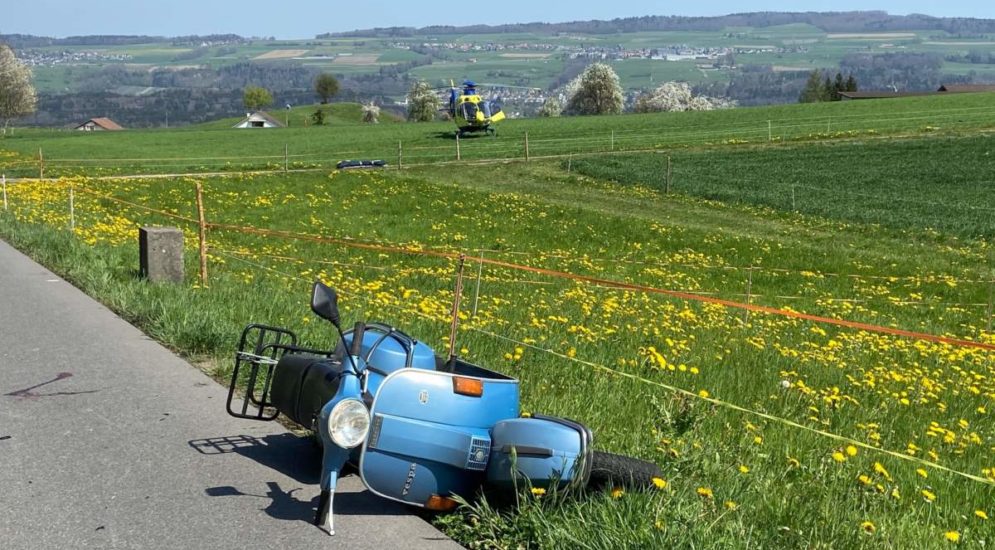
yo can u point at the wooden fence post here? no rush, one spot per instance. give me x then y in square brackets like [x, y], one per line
[991, 293]
[613, 140]
[286, 156]
[3, 178]
[457, 296]
[749, 296]
[399, 151]
[72, 208]
[41, 164]
[770, 131]
[202, 234]
[793, 207]
[669, 174]
[457, 147]
[526, 146]
[476, 293]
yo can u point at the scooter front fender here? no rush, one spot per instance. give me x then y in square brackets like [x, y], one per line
[334, 457]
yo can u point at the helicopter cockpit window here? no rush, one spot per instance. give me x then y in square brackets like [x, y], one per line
[469, 111]
[490, 108]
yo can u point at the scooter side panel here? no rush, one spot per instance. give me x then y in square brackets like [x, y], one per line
[427, 440]
[544, 450]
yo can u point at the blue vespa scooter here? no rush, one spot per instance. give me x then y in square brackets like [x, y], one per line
[421, 429]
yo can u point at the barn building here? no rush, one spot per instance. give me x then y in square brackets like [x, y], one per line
[259, 119]
[99, 125]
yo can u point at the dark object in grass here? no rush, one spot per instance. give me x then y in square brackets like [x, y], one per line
[612, 470]
[350, 164]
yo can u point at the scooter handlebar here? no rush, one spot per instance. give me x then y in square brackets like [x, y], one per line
[357, 339]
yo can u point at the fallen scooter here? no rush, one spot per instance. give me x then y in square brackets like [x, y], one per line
[420, 430]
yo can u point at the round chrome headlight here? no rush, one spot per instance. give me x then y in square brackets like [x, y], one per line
[349, 423]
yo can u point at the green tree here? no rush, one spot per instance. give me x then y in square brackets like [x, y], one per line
[256, 98]
[812, 92]
[422, 102]
[851, 84]
[598, 92]
[17, 94]
[326, 86]
[838, 86]
[827, 90]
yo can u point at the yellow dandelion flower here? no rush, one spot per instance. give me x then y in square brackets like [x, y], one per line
[538, 491]
[743, 469]
[660, 483]
[730, 505]
[880, 469]
[705, 492]
[922, 473]
[793, 462]
[868, 527]
[952, 536]
[758, 440]
[928, 495]
[981, 514]
[704, 393]
[659, 525]
[851, 450]
[895, 494]
[617, 493]
[839, 457]
[864, 479]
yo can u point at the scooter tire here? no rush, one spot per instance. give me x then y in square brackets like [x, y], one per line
[612, 470]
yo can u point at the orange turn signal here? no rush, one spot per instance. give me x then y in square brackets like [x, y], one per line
[441, 504]
[473, 387]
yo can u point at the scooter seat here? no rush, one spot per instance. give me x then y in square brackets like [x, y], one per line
[302, 384]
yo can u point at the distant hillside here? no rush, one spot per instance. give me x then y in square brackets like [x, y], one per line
[18, 41]
[853, 21]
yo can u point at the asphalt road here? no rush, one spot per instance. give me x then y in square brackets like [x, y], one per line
[108, 440]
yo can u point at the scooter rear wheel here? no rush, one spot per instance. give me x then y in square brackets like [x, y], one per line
[612, 470]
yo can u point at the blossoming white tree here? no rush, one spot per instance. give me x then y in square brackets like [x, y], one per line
[17, 94]
[677, 96]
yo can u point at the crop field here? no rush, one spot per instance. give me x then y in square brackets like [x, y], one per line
[531, 62]
[704, 329]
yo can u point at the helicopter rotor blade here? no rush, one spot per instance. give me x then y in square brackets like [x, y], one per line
[492, 85]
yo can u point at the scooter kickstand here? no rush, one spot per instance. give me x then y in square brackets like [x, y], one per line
[324, 517]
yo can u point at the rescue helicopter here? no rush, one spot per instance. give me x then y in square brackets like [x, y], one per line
[471, 112]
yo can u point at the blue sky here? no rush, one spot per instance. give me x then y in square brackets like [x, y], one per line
[306, 18]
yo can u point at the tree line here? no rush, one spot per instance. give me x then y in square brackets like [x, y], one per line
[854, 21]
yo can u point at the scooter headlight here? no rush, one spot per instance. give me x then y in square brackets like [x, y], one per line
[349, 423]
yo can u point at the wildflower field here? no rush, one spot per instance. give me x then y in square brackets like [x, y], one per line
[773, 430]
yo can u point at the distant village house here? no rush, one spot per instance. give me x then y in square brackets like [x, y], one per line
[99, 125]
[259, 119]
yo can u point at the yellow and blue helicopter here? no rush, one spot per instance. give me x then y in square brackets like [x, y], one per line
[471, 112]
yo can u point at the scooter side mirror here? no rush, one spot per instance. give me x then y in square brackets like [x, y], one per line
[325, 302]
